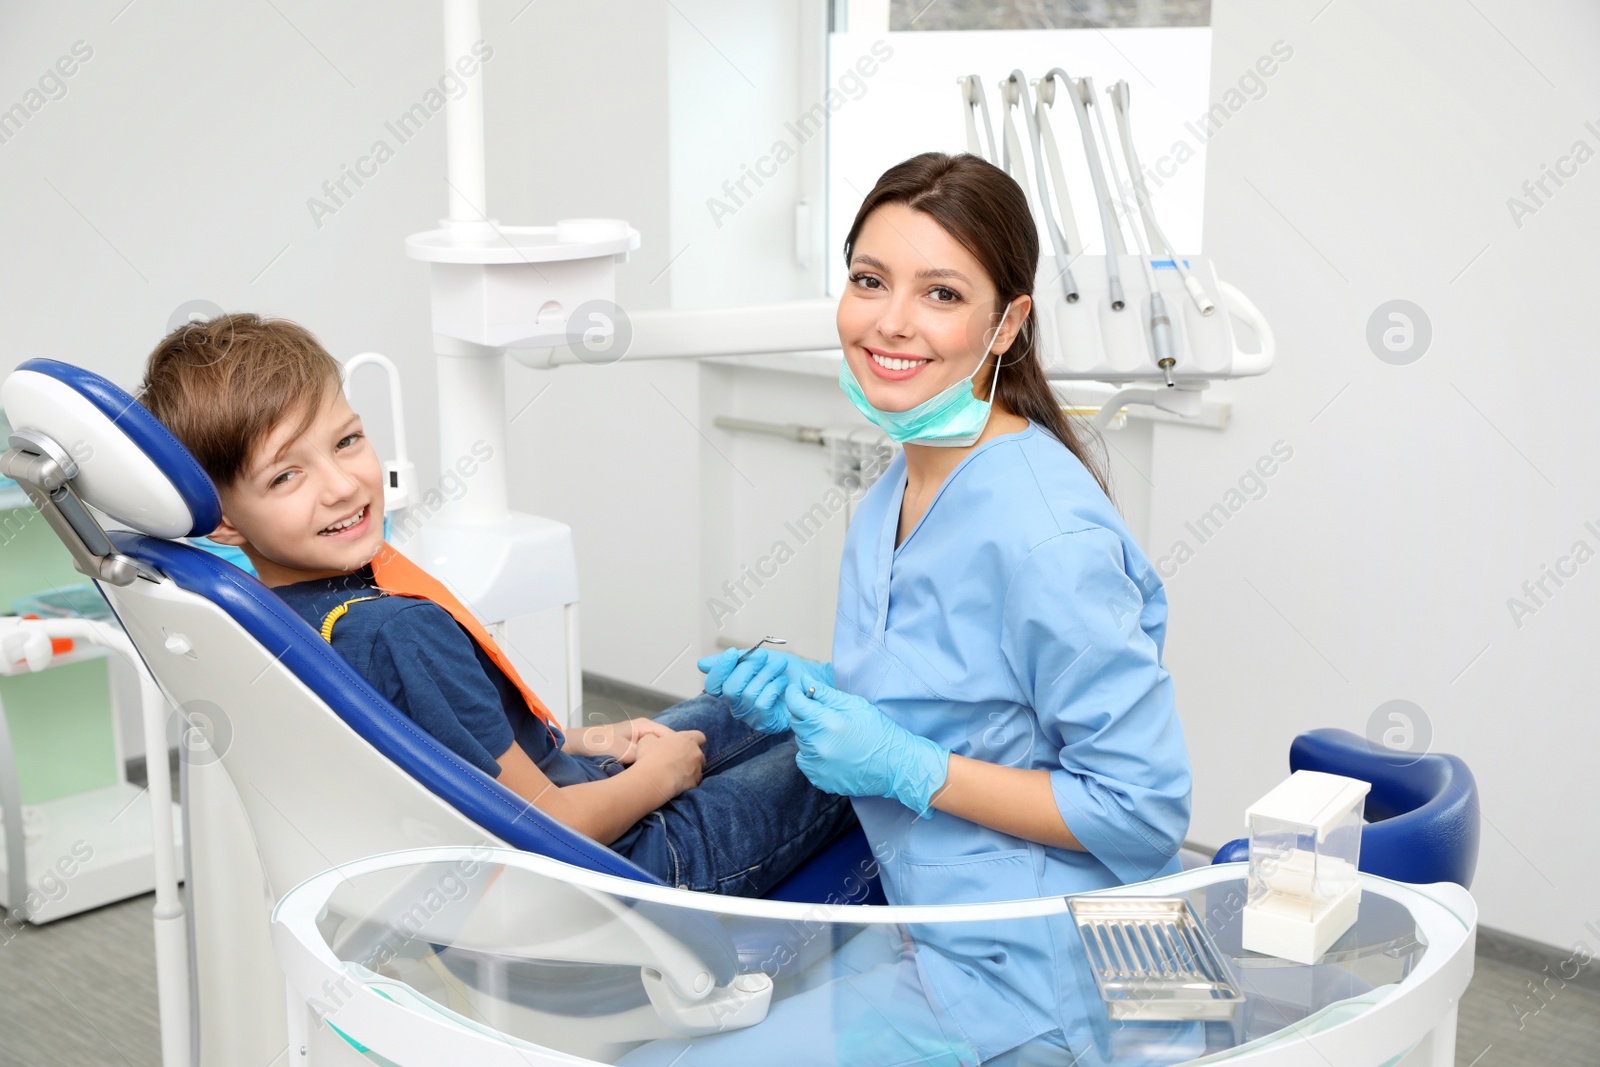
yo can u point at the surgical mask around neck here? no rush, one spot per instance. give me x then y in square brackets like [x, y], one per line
[954, 418]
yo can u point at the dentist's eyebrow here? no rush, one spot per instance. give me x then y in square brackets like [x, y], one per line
[926, 272]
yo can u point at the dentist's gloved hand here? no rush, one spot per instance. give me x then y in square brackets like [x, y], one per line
[755, 685]
[848, 746]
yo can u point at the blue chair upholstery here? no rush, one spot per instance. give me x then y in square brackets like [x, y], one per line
[843, 873]
[834, 874]
[1423, 821]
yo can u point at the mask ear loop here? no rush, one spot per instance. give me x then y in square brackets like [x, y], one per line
[994, 378]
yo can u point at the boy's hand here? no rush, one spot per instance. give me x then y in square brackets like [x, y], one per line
[674, 759]
[618, 739]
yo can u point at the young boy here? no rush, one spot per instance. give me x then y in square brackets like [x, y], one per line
[692, 796]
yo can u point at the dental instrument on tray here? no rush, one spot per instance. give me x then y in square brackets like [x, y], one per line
[1161, 343]
[1121, 99]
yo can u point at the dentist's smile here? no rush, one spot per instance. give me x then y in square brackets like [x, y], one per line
[895, 366]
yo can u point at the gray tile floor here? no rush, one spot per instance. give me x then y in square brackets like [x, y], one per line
[81, 993]
[1565, 1032]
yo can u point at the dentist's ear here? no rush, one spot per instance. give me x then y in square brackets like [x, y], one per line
[1014, 316]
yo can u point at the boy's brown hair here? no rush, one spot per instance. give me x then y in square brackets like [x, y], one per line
[222, 385]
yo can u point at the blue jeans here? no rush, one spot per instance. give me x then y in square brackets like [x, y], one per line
[750, 822]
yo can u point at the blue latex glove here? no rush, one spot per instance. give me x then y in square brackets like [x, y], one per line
[755, 684]
[848, 746]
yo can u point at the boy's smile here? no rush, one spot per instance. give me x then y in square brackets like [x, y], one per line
[310, 502]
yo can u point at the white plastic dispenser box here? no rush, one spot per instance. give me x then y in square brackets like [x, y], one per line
[1305, 844]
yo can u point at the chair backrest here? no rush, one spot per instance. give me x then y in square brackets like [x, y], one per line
[1423, 821]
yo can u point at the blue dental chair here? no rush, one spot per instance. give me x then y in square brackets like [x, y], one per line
[306, 766]
[1422, 813]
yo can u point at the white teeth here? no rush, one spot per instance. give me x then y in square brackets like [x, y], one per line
[346, 524]
[889, 363]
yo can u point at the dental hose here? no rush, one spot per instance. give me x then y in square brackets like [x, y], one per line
[1108, 227]
[1161, 342]
[1058, 240]
[1121, 101]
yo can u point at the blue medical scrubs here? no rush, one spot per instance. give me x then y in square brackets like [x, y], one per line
[1018, 623]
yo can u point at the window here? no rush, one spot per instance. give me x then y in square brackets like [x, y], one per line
[910, 102]
[1045, 14]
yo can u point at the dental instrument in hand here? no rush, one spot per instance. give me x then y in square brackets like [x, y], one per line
[767, 640]
[1121, 100]
[1160, 323]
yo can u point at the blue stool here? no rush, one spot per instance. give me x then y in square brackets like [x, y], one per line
[1422, 813]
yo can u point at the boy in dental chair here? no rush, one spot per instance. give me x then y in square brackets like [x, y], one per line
[693, 796]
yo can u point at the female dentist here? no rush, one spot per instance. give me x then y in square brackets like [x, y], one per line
[997, 706]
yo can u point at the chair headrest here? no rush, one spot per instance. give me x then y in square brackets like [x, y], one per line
[130, 466]
[1401, 781]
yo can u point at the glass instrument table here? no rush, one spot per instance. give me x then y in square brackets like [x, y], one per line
[493, 957]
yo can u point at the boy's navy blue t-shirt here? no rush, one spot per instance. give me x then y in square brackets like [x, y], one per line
[420, 658]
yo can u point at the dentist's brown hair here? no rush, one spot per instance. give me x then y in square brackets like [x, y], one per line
[986, 211]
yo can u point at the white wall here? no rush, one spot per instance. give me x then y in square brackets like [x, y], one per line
[178, 166]
[1419, 497]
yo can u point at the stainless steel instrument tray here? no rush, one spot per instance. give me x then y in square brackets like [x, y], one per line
[1153, 960]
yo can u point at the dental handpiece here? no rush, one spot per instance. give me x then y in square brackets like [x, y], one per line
[1120, 104]
[1161, 342]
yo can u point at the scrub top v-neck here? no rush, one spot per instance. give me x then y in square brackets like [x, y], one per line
[1018, 623]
